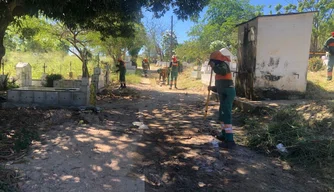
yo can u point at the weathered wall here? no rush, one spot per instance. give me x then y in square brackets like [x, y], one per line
[282, 52]
[247, 36]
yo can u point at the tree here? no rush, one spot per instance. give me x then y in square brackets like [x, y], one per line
[219, 23]
[154, 32]
[323, 21]
[80, 41]
[136, 43]
[190, 51]
[110, 17]
[167, 39]
[32, 34]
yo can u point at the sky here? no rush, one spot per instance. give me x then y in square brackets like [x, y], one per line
[182, 27]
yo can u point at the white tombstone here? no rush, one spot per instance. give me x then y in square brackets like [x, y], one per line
[23, 74]
[129, 68]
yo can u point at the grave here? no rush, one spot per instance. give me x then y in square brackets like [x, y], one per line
[23, 74]
[50, 96]
[65, 93]
[130, 69]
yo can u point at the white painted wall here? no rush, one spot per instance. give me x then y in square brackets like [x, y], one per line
[286, 39]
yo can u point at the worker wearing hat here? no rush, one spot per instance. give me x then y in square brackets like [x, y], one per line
[122, 71]
[226, 91]
[329, 47]
[174, 70]
[146, 66]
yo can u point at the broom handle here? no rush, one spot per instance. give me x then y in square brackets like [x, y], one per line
[208, 97]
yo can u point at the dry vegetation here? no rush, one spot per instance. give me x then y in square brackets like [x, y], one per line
[318, 87]
[305, 130]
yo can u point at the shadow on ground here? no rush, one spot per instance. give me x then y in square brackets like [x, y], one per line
[105, 152]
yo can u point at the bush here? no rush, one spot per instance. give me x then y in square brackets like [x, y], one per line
[315, 64]
[51, 78]
[6, 83]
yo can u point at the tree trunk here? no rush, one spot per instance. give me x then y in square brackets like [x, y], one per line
[85, 72]
[4, 22]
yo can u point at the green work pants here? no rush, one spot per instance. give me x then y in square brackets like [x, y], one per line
[330, 67]
[122, 75]
[226, 98]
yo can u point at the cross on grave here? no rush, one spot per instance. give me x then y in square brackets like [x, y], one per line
[71, 74]
[44, 67]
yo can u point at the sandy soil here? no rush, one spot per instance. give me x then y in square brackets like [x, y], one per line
[106, 152]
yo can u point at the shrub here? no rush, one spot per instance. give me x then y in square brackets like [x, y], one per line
[315, 64]
[51, 78]
[6, 83]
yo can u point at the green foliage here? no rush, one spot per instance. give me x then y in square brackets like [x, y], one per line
[219, 24]
[315, 64]
[323, 21]
[52, 77]
[306, 144]
[56, 62]
[23, 138]
[6, 83]
[92, 97]
[217, 45]
[32, 34]
[166, 44]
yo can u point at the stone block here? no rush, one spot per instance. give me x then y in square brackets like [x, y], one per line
[66, 84]
[13, 96]
[65, 98]
[79, 99]
[39, 97]
[56, 84]
[77, 83]
[84, 81]
[51, 98]
[26, 96]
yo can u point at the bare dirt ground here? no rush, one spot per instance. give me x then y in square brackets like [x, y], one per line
[104, 152]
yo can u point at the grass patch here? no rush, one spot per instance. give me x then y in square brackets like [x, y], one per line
[129, 78]
[185, 81]
[305, 130]
[56, 62]
[318, 87]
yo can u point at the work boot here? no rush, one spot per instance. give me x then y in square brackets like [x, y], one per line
[228, 142]
[124, 85]
[227, 145]
[221, 137]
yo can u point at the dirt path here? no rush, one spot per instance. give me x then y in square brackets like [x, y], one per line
[175, 153]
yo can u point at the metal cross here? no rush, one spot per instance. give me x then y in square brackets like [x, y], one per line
[44, 67]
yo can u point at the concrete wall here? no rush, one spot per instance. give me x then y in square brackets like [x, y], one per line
[47, 96]
[36, 83]
[282, 54]
[66, 83]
